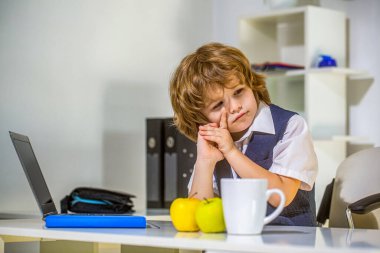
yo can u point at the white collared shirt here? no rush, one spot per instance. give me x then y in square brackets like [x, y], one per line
[293, 156]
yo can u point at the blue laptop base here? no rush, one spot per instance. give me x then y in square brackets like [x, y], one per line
[94, 221]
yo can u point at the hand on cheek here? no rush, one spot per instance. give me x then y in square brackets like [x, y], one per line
[219, 135]
[207, 150]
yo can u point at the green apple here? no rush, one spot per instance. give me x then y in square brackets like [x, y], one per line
[209, 216]
[182, 214]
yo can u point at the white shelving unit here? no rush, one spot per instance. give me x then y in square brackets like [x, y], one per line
[298, 36]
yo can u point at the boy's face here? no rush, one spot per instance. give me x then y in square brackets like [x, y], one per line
[239, 102]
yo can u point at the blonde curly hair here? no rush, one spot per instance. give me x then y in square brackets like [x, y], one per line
[210, 66]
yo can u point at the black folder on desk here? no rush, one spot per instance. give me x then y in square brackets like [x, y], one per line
[154, 162]
[45, 202]
[179, 159]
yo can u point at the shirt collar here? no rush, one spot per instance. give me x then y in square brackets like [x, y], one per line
[263, 122]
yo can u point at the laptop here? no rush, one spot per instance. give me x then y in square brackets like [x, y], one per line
[45, 202]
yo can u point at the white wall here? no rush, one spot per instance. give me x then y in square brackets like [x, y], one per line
[79, 78]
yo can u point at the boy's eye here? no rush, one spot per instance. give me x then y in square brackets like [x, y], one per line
[217, 106]
[239, 91]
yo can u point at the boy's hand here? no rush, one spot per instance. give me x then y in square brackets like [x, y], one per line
[219, 135]
[207, 150]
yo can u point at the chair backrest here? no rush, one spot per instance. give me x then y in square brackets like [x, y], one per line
[357, 176]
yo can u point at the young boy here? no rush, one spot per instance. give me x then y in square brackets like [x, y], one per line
[220, 103]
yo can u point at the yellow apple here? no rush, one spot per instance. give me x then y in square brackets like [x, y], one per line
[209, 216]
[182, 214]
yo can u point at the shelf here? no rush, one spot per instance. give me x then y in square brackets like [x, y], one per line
[283, 15]
[335, 70]
[353, 139]
[296, 36]
[351, 73]
[284, 74]
[273, 17]
[344, 138]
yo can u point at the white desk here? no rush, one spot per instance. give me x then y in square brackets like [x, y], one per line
[273, 239]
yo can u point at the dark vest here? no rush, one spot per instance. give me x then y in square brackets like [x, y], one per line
[301, 212]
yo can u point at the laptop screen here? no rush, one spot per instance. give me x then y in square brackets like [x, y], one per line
[33, 173]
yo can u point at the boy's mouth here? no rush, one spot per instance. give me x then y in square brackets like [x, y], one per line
[239, 116]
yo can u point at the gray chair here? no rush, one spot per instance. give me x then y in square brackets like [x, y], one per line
[353, 198]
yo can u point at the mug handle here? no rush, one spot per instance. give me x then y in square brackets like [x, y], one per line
[280, 207]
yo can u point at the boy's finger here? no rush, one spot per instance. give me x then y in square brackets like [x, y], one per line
[223, 120]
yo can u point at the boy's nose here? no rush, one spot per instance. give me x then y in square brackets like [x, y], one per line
[235, 108]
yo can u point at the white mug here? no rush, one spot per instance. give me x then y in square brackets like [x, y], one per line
[245, 203]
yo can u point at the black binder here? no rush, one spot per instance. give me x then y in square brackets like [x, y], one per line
[179, 160]
[187, 155]
[170, 160]
[154, 163]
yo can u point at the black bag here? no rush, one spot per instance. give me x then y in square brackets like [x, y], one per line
[95, 200]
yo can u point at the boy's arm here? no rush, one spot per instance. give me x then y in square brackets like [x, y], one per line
[207, 157]
[246, 168]
[202, 186]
